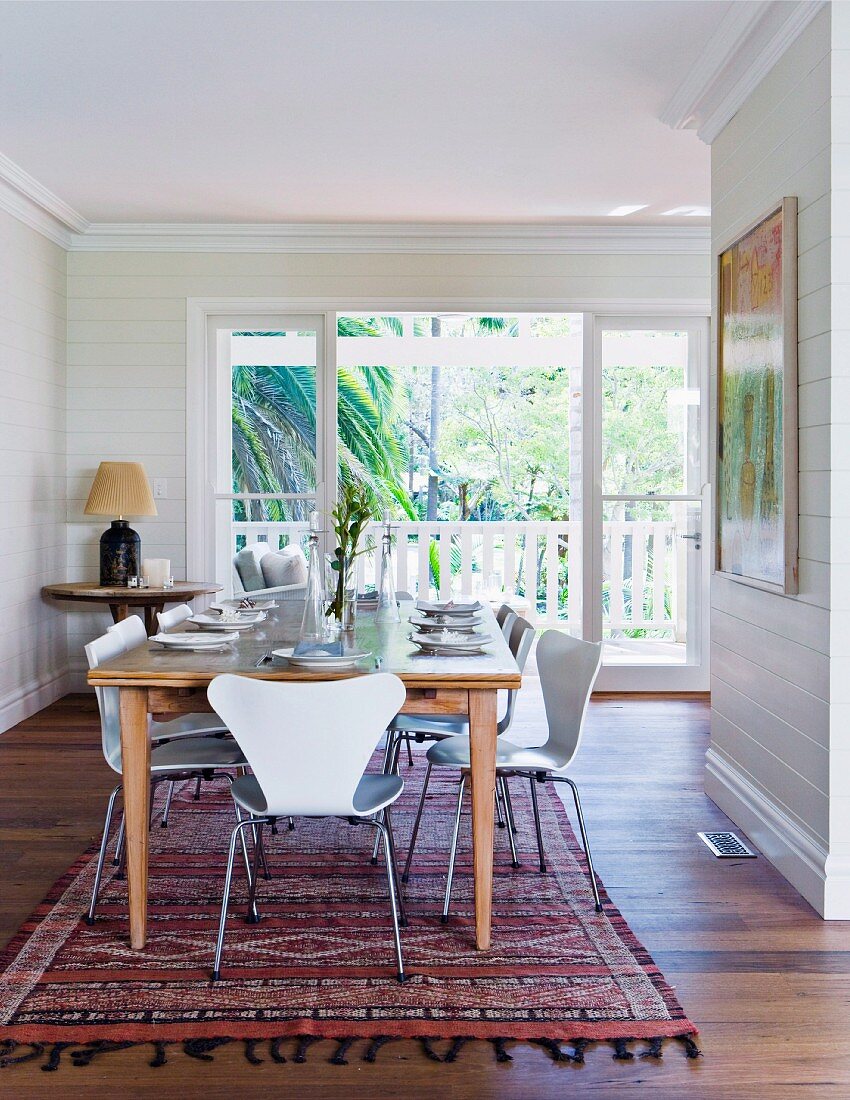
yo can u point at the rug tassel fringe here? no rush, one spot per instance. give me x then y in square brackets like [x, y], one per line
[428, 1049]
[339, 1058]
[376, 1044]
[501, 1054]
[10, 1056]
[159, 1058]
[304, 1042]
[251, 1052]
[691, 1049]
[553, 1047]
[13, 1052]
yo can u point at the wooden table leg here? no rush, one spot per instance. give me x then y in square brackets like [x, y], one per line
[151, 613]
[135, 767]
[119, 611]
[482, 738]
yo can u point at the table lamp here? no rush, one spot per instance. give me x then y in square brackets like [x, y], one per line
[120, 489]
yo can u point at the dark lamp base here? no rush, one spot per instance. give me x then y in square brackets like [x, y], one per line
[120, 554]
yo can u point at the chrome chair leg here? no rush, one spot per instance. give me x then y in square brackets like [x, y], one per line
[222, 920]
[509, 806]
[580, 815]
[253, 916]
[389, 751]
[246, 859]
[392, 885]
[388, 827]
[500, 820]
[406, 873]
[409, 752]
[197, 795]
[110, 807]
[501, 784]
[453, 853]
[537, 827]
[291, 823]
[119, 845]
[164, 821]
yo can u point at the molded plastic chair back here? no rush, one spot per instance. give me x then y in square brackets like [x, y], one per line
[506, 617]
[520, 640]
[174, 617]
[308, 744]
[102, 649]
[568, 669]
[131, 630]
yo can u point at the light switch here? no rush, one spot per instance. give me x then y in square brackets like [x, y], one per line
[160, 488]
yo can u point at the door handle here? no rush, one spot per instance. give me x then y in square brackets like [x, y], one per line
[697, 539]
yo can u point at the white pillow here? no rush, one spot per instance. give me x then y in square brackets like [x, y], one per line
[284, 567]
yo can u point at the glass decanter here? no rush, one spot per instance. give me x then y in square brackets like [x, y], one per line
[387, 611]
[313, 620]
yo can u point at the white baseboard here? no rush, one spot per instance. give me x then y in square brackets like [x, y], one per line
[29, 698]
[793, 852]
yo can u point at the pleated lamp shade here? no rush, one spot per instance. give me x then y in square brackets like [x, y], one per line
[120, 489]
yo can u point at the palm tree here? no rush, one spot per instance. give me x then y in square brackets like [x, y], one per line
[274, 431]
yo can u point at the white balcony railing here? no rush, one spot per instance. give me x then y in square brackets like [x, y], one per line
[644, 586]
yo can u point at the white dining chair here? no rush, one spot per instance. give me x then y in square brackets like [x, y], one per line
[175, 616]
[520, 642]
[506, 617]
[184, 758]
[308, 745]
[198, 724]
[568, 669]
[130, 630]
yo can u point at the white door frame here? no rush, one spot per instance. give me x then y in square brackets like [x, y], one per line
[695, 674]
[199, 385]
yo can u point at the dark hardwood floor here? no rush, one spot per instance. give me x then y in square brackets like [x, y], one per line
[764, 978]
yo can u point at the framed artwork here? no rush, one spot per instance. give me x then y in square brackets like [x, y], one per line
[756, 494]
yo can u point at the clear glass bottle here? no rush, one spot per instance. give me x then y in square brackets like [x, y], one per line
[313, 620]
[387, 611]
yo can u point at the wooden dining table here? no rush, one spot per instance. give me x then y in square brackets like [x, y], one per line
[166, 683]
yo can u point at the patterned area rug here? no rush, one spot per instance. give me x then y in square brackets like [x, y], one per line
[321, 964]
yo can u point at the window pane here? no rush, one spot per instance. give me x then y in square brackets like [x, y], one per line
[273, 421]
[650, 415]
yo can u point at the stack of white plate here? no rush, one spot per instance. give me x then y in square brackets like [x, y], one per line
[247, 621]
[450, 643]
[450, 608]
[240, 605]
[195, 641]
[464, 624]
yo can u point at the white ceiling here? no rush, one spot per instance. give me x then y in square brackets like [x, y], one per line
[355, 112]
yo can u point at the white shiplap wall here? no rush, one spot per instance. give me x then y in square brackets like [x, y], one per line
[126, 345]
[33, 649]
[770, 760]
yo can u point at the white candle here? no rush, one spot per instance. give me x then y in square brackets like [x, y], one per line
[157, 570]
[314, 521]
[386, 515]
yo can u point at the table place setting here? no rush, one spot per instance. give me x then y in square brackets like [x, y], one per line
[194, 641]
[450, 643]
[321, 656]
[229, 619]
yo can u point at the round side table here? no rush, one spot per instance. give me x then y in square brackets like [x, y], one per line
[120, 600]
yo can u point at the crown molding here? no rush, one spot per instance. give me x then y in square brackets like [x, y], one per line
[395, 238]
[750, 40]
[22, 196]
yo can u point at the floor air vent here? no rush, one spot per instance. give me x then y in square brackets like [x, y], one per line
[727, 846]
